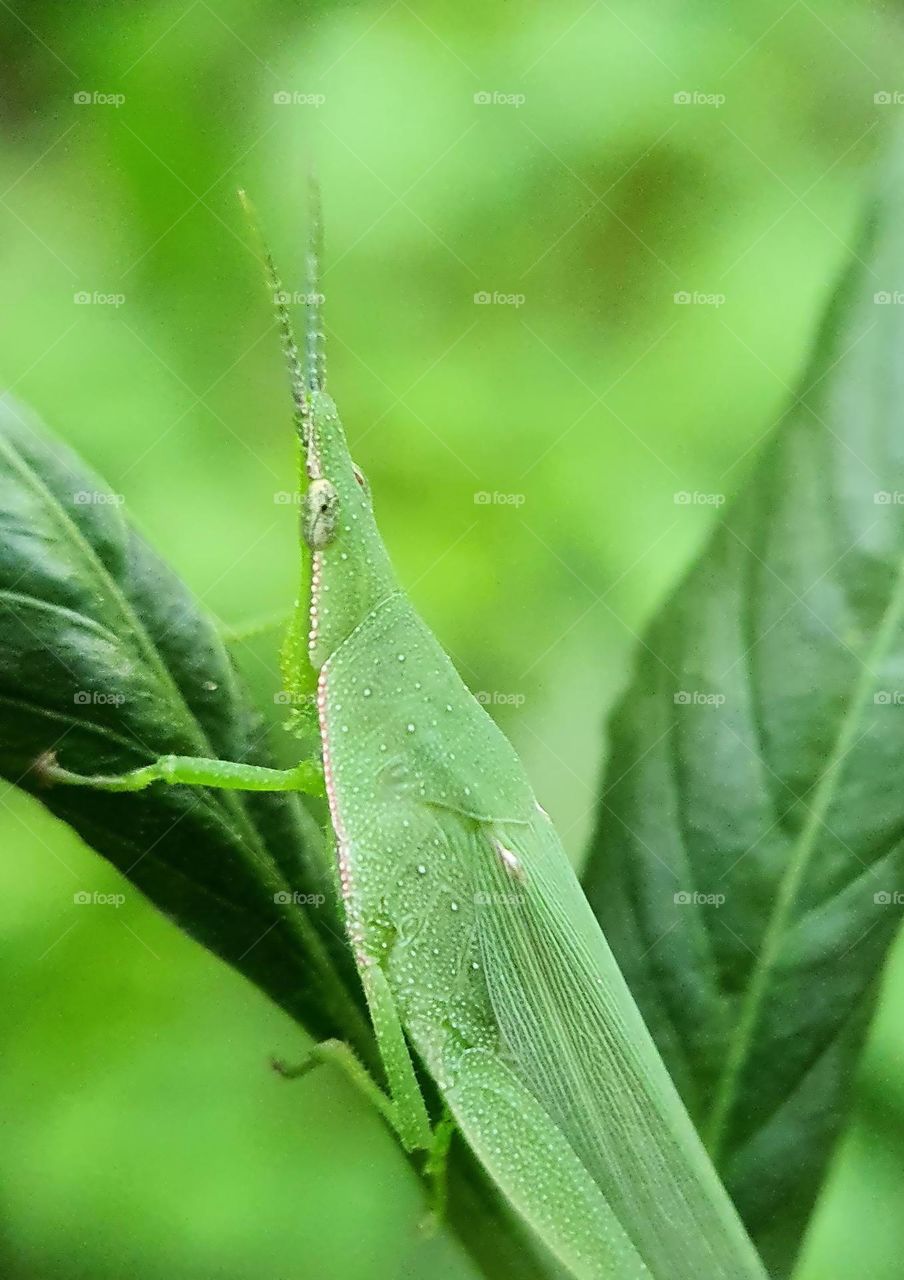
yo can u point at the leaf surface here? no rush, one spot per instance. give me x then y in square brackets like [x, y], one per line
[107, 662]
[750, 837]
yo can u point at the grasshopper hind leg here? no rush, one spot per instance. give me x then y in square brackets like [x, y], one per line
[435, 1171]
[412, 1120]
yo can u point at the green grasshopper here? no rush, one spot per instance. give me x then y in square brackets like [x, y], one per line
[474, 943]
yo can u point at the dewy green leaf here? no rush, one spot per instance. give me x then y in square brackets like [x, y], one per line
[105, 663]
[747, 865]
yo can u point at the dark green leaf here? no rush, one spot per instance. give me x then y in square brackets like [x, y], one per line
[750, 840]
[106, 661]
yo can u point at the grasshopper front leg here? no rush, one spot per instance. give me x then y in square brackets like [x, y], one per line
[404, 1108]
[404, 1111]
[192, 771]
[342, 1056]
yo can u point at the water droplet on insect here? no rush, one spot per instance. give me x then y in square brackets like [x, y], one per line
[422, 870]
[368, 692]
[210, 685]
[448, 706]
[454, 906]
[401, 657]
[411, 728]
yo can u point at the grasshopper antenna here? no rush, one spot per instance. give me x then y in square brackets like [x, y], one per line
[315, 339]
[300, 383]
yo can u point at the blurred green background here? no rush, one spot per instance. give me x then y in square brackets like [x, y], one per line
[537, 155]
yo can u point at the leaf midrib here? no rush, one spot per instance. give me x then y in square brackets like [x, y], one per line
[335, 992]
[228, 803]
[99, 571]
[789, 886]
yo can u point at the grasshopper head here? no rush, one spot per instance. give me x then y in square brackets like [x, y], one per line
[351, 570]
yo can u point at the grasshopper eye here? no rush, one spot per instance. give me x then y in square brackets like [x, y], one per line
[320, 514]
[361, 478]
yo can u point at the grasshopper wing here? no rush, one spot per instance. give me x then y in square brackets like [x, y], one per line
[572, 1035]
[458, 889]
